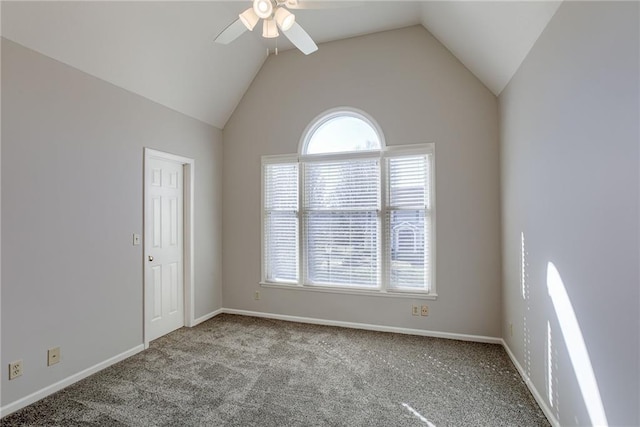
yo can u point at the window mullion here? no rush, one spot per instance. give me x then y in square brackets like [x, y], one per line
[384, 228]
[302, 234]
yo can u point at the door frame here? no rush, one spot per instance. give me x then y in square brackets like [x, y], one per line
[188, 166]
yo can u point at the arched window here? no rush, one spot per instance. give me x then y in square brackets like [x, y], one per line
[342, 130]
[348, 213]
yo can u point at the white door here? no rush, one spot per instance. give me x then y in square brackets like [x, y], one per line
[164, 295]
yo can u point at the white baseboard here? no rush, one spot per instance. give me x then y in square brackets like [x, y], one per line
[66, 382]
[532, 388]
[207, 316]
[366, 326]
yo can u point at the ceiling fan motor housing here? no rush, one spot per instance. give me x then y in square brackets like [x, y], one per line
[263, 8]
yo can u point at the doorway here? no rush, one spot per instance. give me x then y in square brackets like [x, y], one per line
[168, 243]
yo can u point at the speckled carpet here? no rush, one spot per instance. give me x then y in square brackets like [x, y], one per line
[242, 371]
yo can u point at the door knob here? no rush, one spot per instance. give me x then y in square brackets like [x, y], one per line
[150, 258]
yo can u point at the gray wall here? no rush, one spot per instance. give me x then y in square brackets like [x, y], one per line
[570, 161]
[72, 158]
[418, 92]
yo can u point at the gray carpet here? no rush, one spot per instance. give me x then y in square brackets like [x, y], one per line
[242, 371]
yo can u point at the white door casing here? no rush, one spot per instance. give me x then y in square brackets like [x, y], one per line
[167, 244]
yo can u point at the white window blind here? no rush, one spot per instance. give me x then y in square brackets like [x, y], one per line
[281, 222]
[341, 222]
[360, 222]
[408, 222]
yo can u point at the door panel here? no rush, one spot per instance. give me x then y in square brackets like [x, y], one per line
[164, 288]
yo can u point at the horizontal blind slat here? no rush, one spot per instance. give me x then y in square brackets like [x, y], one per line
[409, 181]
[342, 248]
[281, 186]
[342, 185]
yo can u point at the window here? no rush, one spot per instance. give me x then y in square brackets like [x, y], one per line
[348, 213]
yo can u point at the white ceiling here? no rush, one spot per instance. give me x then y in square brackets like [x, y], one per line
[164, 50]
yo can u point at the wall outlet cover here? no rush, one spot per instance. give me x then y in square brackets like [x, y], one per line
[15, 369]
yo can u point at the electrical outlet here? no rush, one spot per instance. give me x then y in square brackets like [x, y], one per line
[53, 356]
[415, 310]
[256, 296]
[424, 311]
[15, 369]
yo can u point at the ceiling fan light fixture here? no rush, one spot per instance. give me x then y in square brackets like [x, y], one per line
[269, 29]
[249, 18]
[263, 8]
[284, 18]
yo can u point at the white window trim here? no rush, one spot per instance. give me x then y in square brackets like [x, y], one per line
[333, 113]
[388, 293]
[382, 290]
[286, 158]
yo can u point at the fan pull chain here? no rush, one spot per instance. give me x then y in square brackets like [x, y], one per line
[275, 50]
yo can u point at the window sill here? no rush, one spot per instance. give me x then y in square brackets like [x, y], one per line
[360, 291]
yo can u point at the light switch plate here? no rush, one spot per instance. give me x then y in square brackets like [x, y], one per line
[136, 239]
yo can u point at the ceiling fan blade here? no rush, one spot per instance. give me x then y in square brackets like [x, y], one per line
[301, 39]
[321, 4]
[232, 32]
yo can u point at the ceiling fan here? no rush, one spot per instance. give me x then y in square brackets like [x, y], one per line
[275, 15]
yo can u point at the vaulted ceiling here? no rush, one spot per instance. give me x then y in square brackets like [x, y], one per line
[164, 50]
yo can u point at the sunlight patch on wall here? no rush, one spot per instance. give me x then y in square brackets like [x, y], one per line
[576, 347]
[523, 267]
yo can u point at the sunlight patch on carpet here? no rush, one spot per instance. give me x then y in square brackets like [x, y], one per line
[419, 415]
